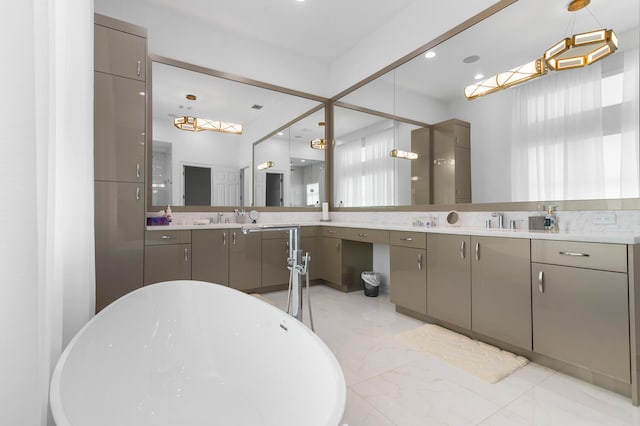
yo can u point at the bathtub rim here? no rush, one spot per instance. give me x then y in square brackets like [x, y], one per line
[55, 398]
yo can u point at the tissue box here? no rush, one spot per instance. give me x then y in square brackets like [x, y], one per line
[536, 223]
[155, 221]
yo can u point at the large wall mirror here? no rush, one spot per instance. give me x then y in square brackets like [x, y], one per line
[211, 168]
[289, 166]
[567, 135]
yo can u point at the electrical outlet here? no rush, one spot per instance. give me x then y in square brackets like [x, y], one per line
[603, 218]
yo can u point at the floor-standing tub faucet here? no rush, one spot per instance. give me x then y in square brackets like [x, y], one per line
[297, 262]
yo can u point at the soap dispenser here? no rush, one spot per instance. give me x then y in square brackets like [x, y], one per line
[168, 214]
[550, 220]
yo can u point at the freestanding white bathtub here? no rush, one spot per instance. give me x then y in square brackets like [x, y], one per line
[191, 353]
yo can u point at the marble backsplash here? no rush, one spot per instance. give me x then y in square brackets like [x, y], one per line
[568, 221]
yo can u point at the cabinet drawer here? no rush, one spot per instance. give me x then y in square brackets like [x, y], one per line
[366, 235]
[153, 238]
[408, 239]
[330, 231]
[608, 257]
[305, 231]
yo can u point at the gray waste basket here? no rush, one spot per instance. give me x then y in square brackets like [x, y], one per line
[371, 283]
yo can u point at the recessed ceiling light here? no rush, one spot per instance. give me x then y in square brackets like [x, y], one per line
[303, 161]
[478, 76]
[430, 54]
[471, 59]
[299, 1]
[280, 134]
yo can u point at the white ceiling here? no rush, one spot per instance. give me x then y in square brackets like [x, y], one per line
[319, 29]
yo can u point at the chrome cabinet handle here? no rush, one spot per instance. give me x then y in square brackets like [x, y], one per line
[463, 246]
[186, 254]
[406, 239]
[363, 235]
[138, 194]
[541, 281]
[235, 238]
[331, 232]
[477, 251]
[139, 68]
[168, 237]
[419, 261]
[224, 238]
[574, 254]
[138, 170]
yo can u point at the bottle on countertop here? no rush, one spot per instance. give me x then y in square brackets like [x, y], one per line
[550, 220]
[168, 214]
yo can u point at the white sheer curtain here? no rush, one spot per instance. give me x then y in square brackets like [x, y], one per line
[562, 149]
[557, 137]
[46, 170]
[364, 171]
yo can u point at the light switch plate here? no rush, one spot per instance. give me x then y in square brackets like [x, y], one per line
[603, 218]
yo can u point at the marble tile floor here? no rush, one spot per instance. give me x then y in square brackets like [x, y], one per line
[389, 383]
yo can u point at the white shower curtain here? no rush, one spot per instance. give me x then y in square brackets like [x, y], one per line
[560, 150]
[46, 172]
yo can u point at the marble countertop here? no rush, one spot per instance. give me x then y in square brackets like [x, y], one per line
[614, 237]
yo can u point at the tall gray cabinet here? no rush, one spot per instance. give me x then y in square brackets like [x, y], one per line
[120, 51]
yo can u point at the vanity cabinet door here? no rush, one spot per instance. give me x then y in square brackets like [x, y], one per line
[331, 260]
[501, 289]
[210, 260]
[166, 262]
[120, 53]
[245, 258]
[310, 245]
[119, 128]
[275, 252]
[581, 316]
[449, 279]
[119, 234]
[409, 278]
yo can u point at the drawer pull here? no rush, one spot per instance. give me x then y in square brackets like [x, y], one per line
[574, 254]
[138, 170]
[406, 239]
[463, 245]
[419, 261]
[478, 252]
[363, 235]
[139, 68]
[331, 232]
[186, 254]
[138, 194]
[168, 237]
[541, 281]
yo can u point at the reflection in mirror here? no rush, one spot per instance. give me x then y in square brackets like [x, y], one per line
[364, 172]
[568, 135]
[210, 168]
[289, 172]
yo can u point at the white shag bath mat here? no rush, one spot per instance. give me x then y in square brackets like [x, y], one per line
[485, 361]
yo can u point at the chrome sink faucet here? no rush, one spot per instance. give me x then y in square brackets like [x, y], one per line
[500, 217]
[220, 215]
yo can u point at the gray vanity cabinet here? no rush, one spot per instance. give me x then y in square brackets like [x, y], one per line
[245, 260]
[119, 234]
[501, 289]
[119, 128]
[580, 305]
[119, 145]
[330, 254]
[119, 51]
[275, 252]
[449, 279]
[167, 256]
[210, 260]
[408, 270]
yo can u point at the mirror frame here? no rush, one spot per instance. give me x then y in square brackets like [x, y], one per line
[588, 205]
[151, 58]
